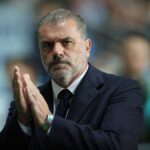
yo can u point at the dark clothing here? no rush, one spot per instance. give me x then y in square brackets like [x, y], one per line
[105, 114]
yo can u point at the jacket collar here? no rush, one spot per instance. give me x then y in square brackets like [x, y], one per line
[85, 93]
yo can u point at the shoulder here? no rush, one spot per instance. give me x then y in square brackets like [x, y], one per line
[109, 78]
[115, 82]
[123, 89]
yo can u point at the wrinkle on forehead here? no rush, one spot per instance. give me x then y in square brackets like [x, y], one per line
[58, 30]
[70, 23]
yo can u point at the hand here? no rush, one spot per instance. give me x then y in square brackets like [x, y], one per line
[37, 103]
[23, 111]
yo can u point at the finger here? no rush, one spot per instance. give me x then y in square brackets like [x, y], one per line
[16, 73]
[27, 81]
[30, 97]
[15, 80]
[14, 76]
[38, 109]
[26, 85]
[34, 96]
[18, 91]
[38, 106]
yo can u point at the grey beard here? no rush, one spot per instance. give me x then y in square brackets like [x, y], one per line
[62, 79]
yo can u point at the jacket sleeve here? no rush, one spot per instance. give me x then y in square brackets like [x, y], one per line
[12, 137]
[119, 129]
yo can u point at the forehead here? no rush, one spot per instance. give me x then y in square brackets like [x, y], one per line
[66, 28]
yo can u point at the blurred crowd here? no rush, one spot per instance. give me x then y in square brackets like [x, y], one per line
[120, 34]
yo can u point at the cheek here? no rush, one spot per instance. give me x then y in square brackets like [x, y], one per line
[78, 55]
[79, 58]
[46, 57]
[43, 58]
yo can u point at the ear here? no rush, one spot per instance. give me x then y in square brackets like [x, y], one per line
[88, 47]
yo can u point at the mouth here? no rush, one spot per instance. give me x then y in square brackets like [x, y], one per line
[58, 65]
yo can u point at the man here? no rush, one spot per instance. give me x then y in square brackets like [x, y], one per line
[104, 111]
[135, 64]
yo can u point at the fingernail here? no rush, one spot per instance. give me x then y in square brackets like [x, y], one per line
[16, 67]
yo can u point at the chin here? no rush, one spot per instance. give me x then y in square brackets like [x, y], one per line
[62, 77]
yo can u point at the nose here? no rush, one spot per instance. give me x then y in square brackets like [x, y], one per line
[58, 48]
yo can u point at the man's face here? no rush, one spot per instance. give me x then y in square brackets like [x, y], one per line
[136, 54]
[63, 51]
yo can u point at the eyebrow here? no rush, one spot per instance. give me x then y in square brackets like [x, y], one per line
[63, 39]
[67, 38]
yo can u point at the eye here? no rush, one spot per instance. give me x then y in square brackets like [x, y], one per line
[67, 43]
[47, 45]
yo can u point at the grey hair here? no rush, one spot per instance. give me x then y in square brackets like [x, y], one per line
[60, 15]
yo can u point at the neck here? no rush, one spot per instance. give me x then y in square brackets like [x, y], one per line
[78, 74]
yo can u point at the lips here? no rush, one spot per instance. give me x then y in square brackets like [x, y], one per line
[58, 65]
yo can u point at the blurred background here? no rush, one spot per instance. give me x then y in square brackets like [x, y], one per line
[119, 30]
